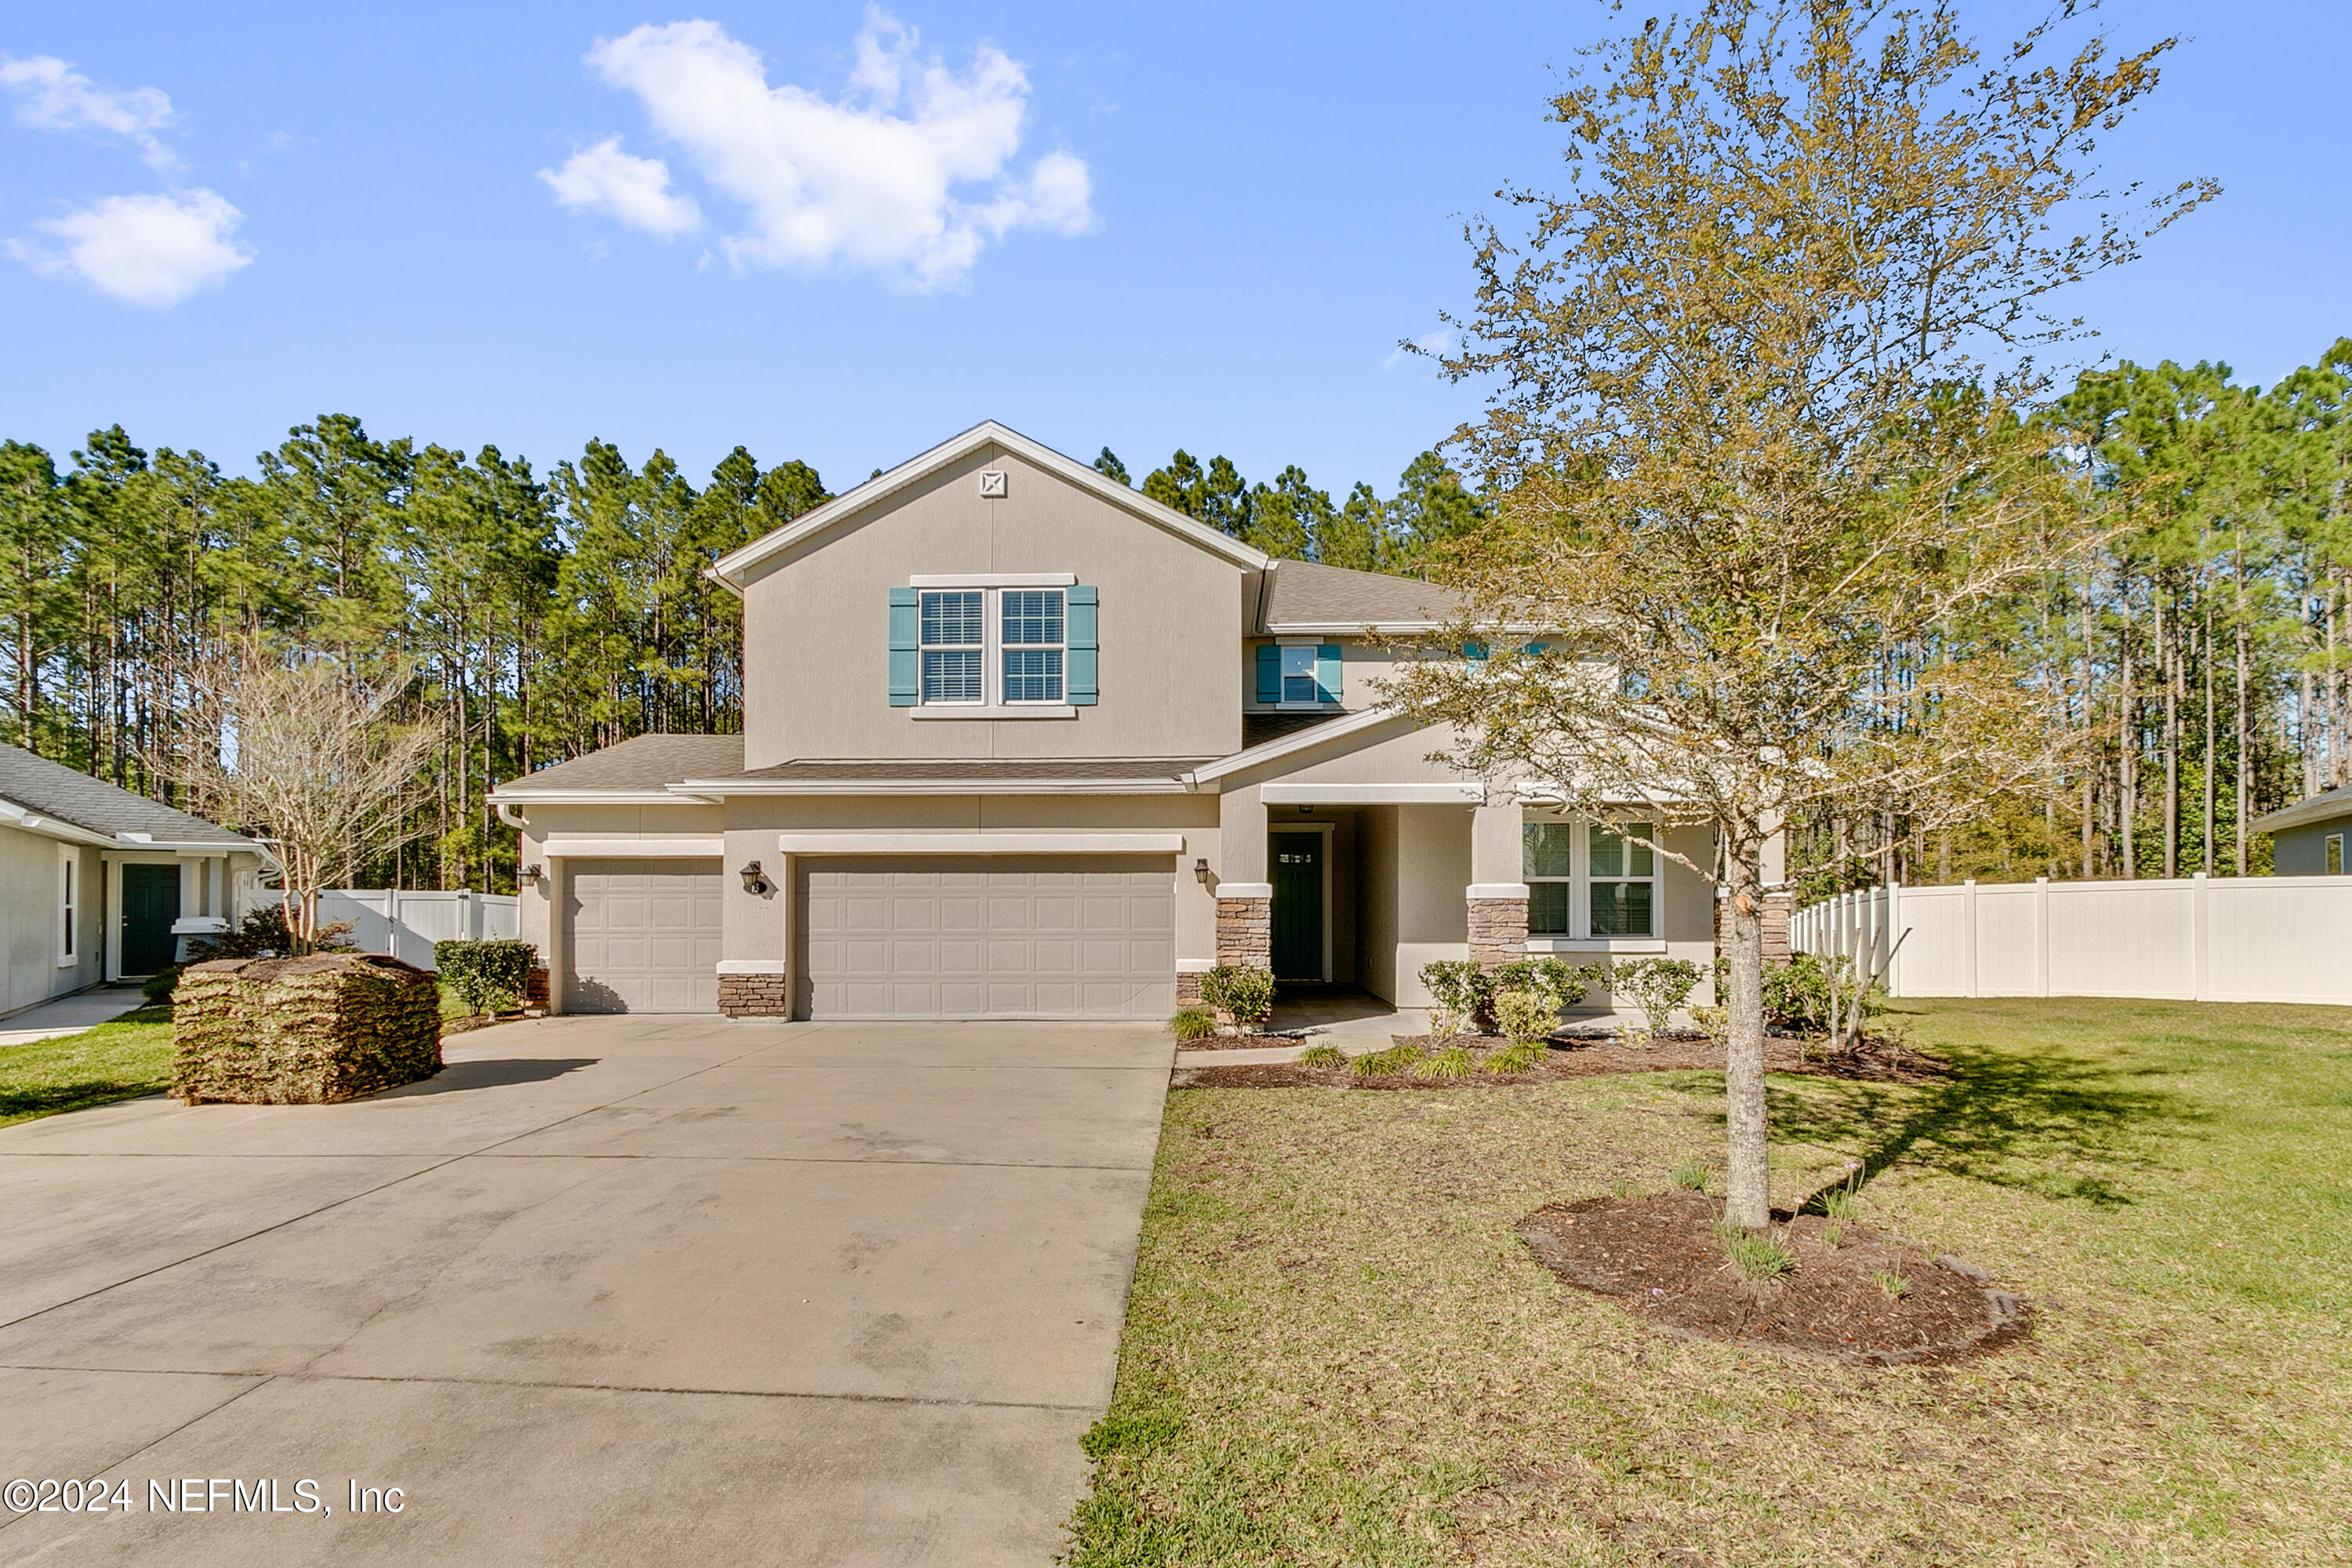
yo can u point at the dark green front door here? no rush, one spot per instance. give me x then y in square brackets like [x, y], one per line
[1297, 864]
[151, 902]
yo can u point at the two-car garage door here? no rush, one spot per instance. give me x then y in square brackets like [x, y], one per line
[1081, 936]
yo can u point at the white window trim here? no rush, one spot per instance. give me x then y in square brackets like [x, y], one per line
[1313, 705]
[1580, 936]
[991, 588]
[70, 894]
[2332, 850]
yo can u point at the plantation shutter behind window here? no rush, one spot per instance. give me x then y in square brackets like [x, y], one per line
[1080, 628]
[906, 654]
[1269, 673]
[1327, 672]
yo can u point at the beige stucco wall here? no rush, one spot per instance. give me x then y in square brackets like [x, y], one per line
[817, 643]
[28, 919]
[1376, 929]
[1433, 910]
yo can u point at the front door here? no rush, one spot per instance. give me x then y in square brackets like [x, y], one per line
[151, 902]
[1297, 864]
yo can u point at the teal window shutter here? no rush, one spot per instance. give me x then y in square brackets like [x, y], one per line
[1269, 673]
[1080, 628]
[1474, 651]
[1327, 672]
[906, 653]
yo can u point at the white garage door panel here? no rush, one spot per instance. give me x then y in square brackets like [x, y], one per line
[989, 937]
[644, 936]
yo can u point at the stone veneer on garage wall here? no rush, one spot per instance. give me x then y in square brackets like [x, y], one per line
[1498, 930]
[753, 996]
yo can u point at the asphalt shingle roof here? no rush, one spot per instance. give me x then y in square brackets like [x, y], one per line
[1309, 593]
[53, 789]
[646, 762]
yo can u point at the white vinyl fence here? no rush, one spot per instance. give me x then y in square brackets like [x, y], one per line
[2203, 939]
[407, 924]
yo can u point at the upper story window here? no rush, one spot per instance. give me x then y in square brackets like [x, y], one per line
[954, 657]
[992, 646]
[1032, 623]
[1299, 675]
[1590, 881]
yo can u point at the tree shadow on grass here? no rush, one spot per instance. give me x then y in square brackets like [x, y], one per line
[2055, 1124]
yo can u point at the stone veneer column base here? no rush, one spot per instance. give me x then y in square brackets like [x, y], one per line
[1188, 987]
[1776, 908]
[1245, 934]
[1498, 930]
[754, 995]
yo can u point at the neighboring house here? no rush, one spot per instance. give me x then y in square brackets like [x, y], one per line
[2307, 838]
[1020, 742]
[98, 884]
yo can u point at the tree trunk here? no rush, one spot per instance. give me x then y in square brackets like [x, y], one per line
[1747, 1188]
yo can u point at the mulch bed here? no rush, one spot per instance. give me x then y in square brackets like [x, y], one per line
[1875, 1061]
[1242, 1043]
[1660, 1258]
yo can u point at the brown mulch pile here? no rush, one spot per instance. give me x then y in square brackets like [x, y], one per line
[1875, 1061]
[1661, 1259]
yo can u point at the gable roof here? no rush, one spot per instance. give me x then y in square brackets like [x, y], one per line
[38, 788]
[1308, 597]
[729, 568]
[2333, 803]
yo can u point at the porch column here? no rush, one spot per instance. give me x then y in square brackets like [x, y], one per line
[1498, 897]
[1244, 896]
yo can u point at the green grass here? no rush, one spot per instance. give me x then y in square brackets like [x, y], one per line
[1338, 1352]
[132, 1056]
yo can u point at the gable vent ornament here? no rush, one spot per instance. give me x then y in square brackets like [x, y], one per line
[992, 484]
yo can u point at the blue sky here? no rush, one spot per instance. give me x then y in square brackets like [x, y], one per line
[1204, 226]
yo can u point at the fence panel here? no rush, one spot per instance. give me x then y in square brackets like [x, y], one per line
[406, 924]
[2218, 939]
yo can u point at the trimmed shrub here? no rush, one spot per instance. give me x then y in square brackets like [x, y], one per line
[488, 976]
[302, 1031]
[1656, 986]
[1245, 993]
[1466, 991]
[1527, 1015]
[1192, 1024]
[157, 987]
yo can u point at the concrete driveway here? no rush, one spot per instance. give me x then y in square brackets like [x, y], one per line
[606, 1291]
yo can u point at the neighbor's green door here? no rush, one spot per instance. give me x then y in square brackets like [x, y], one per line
[151, 902]
[1297, 864]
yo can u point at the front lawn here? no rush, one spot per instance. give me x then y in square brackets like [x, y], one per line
[1337, 1350]
[130, 1056]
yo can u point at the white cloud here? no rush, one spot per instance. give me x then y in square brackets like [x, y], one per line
[636, 190]
[153, 250]
[1441, 342]
[52, 96]
[908, 172]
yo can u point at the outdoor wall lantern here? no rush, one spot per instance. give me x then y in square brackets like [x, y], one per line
[529, 876]
[1200, 870]
[753, 881]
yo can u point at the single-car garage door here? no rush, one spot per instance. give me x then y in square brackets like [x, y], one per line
[643, 936]
[1078, 936]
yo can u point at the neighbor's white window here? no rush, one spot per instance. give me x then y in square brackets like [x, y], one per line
[1590, 881]
[955, 657]
[1031, 623]
[69, 906]
[2336, 854]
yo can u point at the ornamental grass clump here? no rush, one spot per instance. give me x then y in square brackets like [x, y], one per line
[302, 1031]
[1395, 1059]
[1755, 1253]
[1192, 1024]
[1519, 1056]
[1691, 1175]
[1326, 1055]
[1454, 1062]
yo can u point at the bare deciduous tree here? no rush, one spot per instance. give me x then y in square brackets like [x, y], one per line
[302, 751]
[1758, 436]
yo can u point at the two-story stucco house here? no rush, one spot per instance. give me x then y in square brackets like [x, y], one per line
[1020, 742]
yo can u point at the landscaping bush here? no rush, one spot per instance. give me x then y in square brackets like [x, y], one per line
[1466, 991]
[1243, 993]
[490, 976]
[1656, 986]
[157, 987]
[263, 934]
[1526, 1015]
[1325, 1055]
[302, 1031]
[1192, 1024]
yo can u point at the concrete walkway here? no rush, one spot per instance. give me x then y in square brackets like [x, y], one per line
[68, 1016]
[608, 1290]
